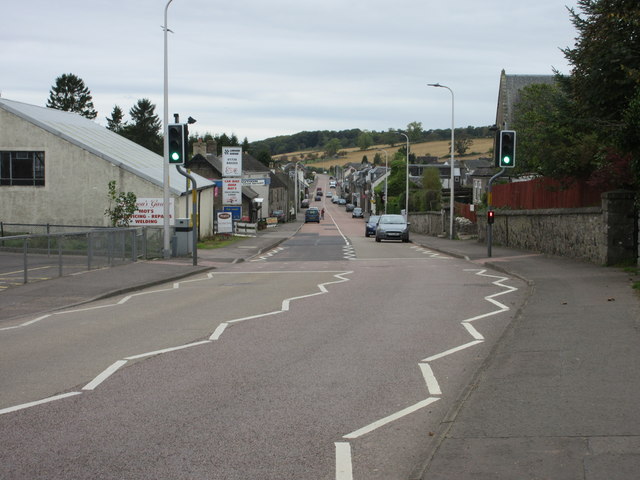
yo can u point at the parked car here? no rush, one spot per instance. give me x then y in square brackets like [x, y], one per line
[342, 201]
[349, 207]
[312, 215]
[370, 227]
[304, 203]
[357, 213]
[280, 215]
[392, 227]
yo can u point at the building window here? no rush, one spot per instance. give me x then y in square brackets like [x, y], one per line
[22, 168]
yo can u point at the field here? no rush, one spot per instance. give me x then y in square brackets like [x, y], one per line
[481, 147]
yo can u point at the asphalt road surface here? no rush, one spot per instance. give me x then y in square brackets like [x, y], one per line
[330, 357]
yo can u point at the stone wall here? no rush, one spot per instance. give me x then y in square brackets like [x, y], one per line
[574, 233]
[429, 223]
[605, 235]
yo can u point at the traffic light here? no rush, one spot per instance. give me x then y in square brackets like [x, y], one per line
[507, 149]
[176, 143]
[491, 216]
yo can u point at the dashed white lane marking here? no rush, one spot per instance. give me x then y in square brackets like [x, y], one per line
[104, 375]
[344, 469]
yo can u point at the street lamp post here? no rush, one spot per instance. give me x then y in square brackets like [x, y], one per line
[406, 200]
[451, 189]
[386, 176]
[165, 160]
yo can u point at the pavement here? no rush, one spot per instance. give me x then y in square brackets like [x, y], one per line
[557, 398]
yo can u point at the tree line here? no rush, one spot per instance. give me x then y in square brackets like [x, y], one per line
[331, 141]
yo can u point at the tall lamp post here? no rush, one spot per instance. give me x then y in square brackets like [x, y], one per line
[386, 176]
[451, 199]
[165, 160]
[406, 200]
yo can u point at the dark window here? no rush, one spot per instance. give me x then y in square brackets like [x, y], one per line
[22, 168]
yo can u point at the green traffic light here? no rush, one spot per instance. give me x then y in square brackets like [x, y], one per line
[175, 156]
[506, 160]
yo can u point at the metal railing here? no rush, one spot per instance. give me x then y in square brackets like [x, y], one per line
[64, 253]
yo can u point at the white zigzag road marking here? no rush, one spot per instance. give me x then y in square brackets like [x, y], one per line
[103, 376]
[268, 254]
[344, 469]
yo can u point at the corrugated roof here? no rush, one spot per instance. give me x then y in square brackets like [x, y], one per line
[100, 141]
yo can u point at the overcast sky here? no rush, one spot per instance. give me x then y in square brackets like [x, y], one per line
[261, 68]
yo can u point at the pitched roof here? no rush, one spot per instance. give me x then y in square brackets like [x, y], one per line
[100, 141]
[509, 94]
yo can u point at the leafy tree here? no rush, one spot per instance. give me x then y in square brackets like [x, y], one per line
[414, 131]
[145, 127]
[605, 59]
[550, 141]
[430, 195]
[115, 123]
[332, 147]
[71, 95]
[121, 206]
[365, 140]
[462, 144]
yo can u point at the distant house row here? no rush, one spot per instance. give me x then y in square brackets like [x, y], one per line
[359, 180]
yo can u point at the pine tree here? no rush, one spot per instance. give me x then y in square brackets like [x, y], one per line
[71, 95]
[115, 123]
[145, 127]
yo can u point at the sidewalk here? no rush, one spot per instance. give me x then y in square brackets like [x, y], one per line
[558, 397]
[68, 291]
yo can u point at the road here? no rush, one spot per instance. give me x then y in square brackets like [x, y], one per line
[330, 357]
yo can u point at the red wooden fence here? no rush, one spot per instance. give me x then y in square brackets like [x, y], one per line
[545, 193]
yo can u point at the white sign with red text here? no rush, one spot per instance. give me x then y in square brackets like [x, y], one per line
[231, 191]
[150, 212]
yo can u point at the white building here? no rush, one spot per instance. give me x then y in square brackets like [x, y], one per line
[55, 167]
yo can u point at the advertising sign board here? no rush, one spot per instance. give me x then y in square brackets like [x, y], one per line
[231, 191]
[225, 222]
[231, 161]
[150, 212]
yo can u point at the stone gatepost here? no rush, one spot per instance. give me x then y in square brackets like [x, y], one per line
[619, 223]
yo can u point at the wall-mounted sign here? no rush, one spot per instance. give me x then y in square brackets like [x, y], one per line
[256, 181]
[231, 191]
[150, 212]
[231, 161]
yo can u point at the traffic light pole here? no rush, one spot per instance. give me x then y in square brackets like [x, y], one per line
[194, 213]
[490, 206]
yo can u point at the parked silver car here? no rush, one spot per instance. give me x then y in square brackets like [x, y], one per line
[392, 227]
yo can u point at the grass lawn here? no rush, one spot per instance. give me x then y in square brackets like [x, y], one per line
[217, 241]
